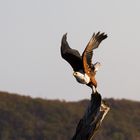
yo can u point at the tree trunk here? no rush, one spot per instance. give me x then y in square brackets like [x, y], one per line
[92, 119]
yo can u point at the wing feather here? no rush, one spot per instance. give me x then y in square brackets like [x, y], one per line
[94, 42]
[72, 56]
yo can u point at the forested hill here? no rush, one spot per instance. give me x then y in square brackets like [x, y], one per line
[24, 118]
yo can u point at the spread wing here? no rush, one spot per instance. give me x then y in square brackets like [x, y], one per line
[72, 56]
[88, 52]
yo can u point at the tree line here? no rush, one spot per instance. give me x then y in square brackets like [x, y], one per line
[26, 118]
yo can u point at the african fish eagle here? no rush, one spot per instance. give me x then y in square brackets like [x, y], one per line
[84, 70]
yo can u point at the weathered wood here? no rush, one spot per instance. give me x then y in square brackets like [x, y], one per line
[92, 119]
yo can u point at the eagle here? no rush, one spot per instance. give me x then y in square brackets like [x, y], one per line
[84, 69]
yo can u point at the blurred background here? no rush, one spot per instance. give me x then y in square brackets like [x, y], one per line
[30, 39]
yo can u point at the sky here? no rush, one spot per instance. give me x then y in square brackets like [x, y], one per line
[30, 39]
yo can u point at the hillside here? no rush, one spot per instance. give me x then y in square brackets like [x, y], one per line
[24, 118]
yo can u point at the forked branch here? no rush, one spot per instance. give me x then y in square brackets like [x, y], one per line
[92, 119]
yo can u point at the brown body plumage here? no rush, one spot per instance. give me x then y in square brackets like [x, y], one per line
[87, 57]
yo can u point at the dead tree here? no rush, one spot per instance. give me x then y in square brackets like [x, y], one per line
[92, 119]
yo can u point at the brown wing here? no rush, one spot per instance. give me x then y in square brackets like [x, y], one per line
[88, 52]
[72, 56]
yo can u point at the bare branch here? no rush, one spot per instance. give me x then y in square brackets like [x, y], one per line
[92, 119]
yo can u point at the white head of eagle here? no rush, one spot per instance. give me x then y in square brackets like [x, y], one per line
[81, 78]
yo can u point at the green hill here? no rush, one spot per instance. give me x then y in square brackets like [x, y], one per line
[24, 118]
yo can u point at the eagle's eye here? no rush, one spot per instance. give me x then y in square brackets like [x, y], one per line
[75, 73]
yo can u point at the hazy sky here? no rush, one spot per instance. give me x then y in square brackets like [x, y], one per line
[30, 37]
